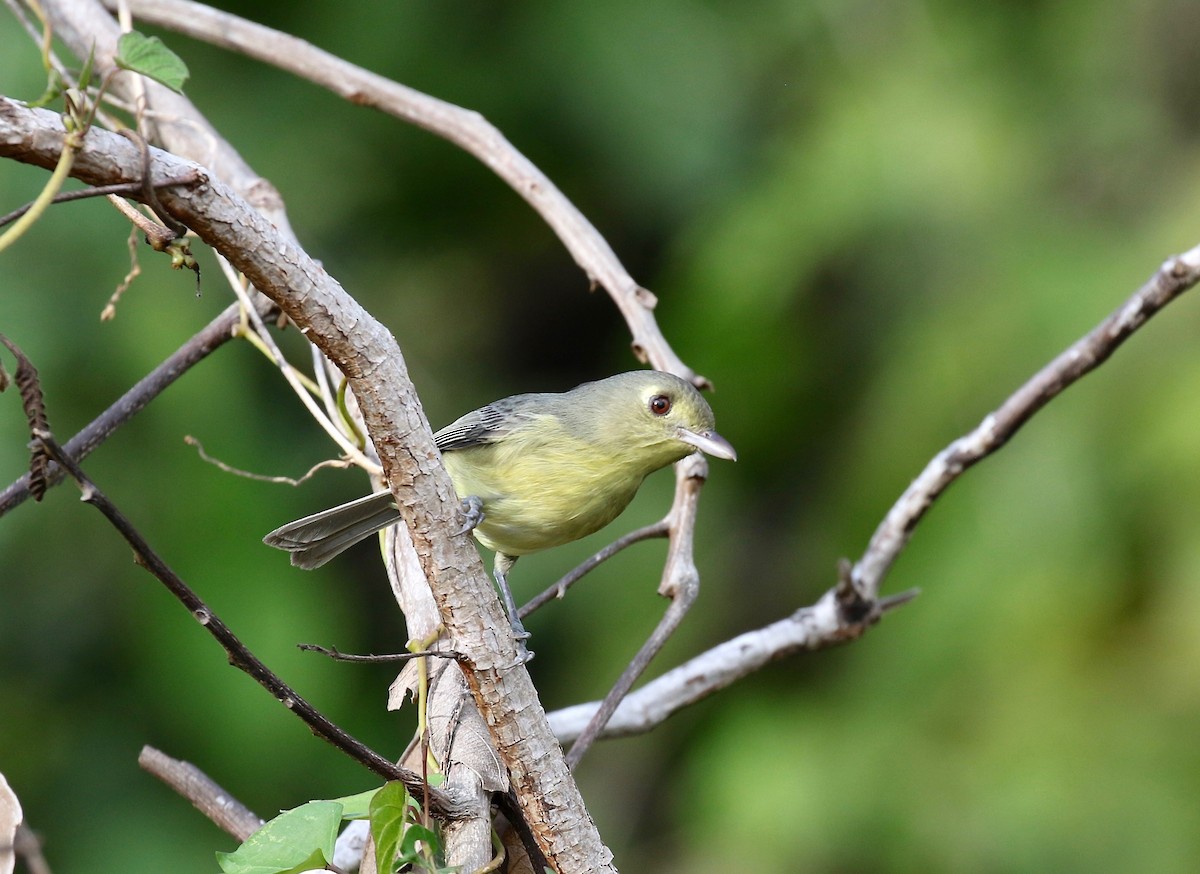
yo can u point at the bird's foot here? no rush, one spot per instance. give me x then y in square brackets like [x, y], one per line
[524, 654]
[472, 510]
[520, 635]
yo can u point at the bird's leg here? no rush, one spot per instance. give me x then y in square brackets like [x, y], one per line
[500, 572]
[472, 510]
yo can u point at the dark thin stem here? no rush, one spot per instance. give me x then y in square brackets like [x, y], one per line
[559, 589]
[121, 188]
[239, 655]
[195, 350]
[338, 656]
[149, 195]
[511, 808]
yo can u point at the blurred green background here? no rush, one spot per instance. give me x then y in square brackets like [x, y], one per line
[867, 222]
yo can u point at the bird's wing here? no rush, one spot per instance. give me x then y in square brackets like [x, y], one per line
[479, 427]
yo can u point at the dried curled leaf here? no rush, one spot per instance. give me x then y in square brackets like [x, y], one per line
[30, 389]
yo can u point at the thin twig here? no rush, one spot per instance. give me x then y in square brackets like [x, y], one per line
[559, 590]
[671, 620]
[157, 236]
[149, 195]
[339, 656]
[121, 188]
[239, 655]
[262, 477]
[289, 373]
[680, 582]
[135, 270]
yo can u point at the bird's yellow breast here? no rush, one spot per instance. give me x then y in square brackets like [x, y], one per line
[542, 487]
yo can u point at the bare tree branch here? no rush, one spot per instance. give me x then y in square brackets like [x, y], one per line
[820, 626]
[225, 811]
[1174, 277]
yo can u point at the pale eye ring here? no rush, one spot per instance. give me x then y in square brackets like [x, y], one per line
[660, 405]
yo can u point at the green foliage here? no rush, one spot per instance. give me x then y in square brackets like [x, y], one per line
[296, 840]
[85, 74]
[399, 835]
[357, 806]
[389, 817]
[148, 56]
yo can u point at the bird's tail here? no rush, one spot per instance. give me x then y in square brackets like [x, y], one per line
[316, 539]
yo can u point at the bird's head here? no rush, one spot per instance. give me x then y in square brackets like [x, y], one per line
[654, 415]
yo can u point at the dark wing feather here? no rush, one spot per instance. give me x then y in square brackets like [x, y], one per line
[485, 425]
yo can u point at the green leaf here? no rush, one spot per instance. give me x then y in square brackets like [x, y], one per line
[148, 56]
[85, 75]
[389, 815]
[414, 833]
[357, 806]
[296, 840]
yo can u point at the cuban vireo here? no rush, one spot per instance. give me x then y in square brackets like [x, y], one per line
[538, 470]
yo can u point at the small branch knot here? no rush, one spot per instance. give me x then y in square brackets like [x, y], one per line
[855, 606]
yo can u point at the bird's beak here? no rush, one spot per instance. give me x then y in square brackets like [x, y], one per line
[709, 442]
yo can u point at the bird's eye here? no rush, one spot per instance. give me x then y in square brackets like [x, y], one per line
[660, 405]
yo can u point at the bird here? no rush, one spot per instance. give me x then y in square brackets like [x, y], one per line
[538, 470]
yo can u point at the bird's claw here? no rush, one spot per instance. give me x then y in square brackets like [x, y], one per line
[524, 654]
[472, 510]
[520, 635]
